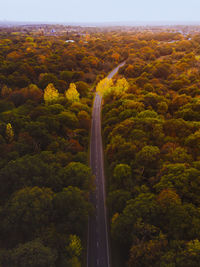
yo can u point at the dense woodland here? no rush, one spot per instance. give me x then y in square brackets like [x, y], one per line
[45, 112]
[151, 132]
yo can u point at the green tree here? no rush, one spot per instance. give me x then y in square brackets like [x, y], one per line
[122, 177]
[76, 174]
[33, 254]
[182, 179]
[82, 88]
[148, 157]
[71, 210]
[84, 119]
[117, 200]
[27, 211]
[144, 206]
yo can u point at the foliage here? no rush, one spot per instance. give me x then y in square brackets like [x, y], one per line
[104, 85]
[33, 254]
[9, 133]
[72, 94]
[44, 140]
[151, 136]
[50, 94]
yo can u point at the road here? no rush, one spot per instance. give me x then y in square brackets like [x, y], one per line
[98, 241]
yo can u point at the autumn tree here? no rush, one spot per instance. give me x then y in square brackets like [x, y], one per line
[50, 94]
[104, 85]
[72, 94]
[9, 133]
[74, 248]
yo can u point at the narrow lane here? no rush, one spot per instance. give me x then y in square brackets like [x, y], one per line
[98, 242]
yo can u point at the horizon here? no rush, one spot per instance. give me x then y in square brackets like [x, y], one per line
[89, 11]
[105, 23]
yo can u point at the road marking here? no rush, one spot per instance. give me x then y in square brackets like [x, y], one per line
[97, 244]
[97, 261]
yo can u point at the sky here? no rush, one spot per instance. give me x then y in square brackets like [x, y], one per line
[100, 10]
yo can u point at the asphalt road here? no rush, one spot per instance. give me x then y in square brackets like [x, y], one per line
[98, 241]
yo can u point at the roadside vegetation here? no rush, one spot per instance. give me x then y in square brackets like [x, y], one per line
[151, 131]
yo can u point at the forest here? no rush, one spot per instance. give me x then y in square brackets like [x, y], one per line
[151, 132]
[151, 135]
[45, 111]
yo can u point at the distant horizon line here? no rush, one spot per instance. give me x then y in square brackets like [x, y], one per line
[106, 23]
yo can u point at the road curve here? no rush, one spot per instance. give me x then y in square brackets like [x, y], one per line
[98, 242]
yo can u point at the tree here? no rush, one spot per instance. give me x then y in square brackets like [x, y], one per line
[148, 157]
[32, 254]
[122, 83]
[193, 143]
[50, 94]
[66, 75]
[162, 70]
[5, 91]
[147, 253]
[29, 171]
[104, 85]
[182, 179]
[117, 200]
[72, 94]
[144, 206]
[47, 78]
[82, 88]
[71, 210]
[32, 92]
[167, 199]
[27, 211]
[84, 119]
[122, 177]
[74, 248]
[76, 174]
[9, 133]
[68, 119]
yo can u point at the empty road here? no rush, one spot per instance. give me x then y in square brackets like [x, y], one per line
[98, 242]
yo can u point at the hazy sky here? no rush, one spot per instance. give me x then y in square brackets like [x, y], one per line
[99, 10]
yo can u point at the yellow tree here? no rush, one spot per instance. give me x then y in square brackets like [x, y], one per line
[72, 94]
[123, 84]
[9, 133]
[121, 87]
[50, 94]
[104, 86]
[74, 248]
